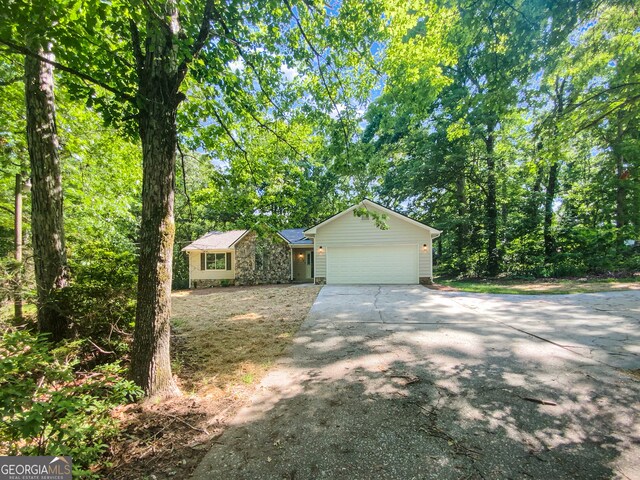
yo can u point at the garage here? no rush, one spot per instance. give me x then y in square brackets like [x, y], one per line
[371, 244]
[392, 264]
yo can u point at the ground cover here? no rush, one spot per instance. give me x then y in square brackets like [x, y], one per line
[224, 341]
[541, 286]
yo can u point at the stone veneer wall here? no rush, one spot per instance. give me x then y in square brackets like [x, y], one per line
[276, 265]
[209, 282]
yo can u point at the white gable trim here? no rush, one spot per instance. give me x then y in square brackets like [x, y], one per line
[233, 244]
[368, 203]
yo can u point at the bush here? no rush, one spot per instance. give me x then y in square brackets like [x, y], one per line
[180, 269]
[16, 277]
[48, 409]
[101, 300]
[524, 256]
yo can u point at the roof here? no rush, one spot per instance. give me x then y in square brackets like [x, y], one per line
[295, 236]
[216, 240]
[368, 203]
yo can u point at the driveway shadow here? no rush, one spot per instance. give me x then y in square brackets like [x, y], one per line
[399, 383]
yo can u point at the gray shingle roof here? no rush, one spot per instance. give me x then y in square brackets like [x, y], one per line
[295, 236]
[216, 240]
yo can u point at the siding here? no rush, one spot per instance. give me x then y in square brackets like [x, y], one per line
[349, 230]
[196, 274]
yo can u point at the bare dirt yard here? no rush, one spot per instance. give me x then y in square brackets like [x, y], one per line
[224, 342]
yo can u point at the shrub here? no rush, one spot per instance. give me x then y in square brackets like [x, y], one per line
[101, 300]
[48, 409]
[16, 277]
[180, 269]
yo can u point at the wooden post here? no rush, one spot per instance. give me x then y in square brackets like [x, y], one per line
[17, 295]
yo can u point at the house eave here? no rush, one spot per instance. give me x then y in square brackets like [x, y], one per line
[233, 244]
[201, 250]
[230, 247]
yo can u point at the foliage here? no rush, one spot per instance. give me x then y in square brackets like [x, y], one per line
[522, 141]
[513, 126]
[100, 301]
[9, 269]
[102, 174]
[379, 219]
[47, 408]
[13, 146]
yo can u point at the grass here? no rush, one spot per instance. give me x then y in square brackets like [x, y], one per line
[229, 337]
[543, 286]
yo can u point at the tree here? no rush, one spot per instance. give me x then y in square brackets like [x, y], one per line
[459, 79]
[130, 61]
[13, 164]
[47, 223]
[604, 62]
[50, 258]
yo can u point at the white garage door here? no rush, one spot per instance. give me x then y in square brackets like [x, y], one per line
[384, 264]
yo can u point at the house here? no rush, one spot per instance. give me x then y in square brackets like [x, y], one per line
[238, 257]
[348, 248]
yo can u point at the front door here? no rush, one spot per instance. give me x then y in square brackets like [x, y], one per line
[310, 264]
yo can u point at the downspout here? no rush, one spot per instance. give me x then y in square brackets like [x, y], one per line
[189, 262]
[291, 263]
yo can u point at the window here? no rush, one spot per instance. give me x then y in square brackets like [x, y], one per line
[216, 261]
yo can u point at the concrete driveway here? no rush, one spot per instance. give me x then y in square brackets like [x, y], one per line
[401, 382]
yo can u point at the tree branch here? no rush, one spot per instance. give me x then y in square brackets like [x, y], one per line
[526, 19]
[236, 143]
[275, 134]
[320, 71]
[5, 83]
[7, 209]
[184, 181]
[157, 16]
[138, 55]
[229, 37]
[575, 106]
[200, 41]
[607, 113]
[25, 51]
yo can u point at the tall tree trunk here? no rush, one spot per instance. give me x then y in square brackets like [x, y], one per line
[552, 181]
[17, 294]
[49, 253]
[158, 90]
[534, 201]
[550, 195]
[621, 193]
[493, 264]
[461, 230]
[621, 179]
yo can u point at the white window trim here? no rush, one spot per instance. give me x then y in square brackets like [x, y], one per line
[206, 261]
